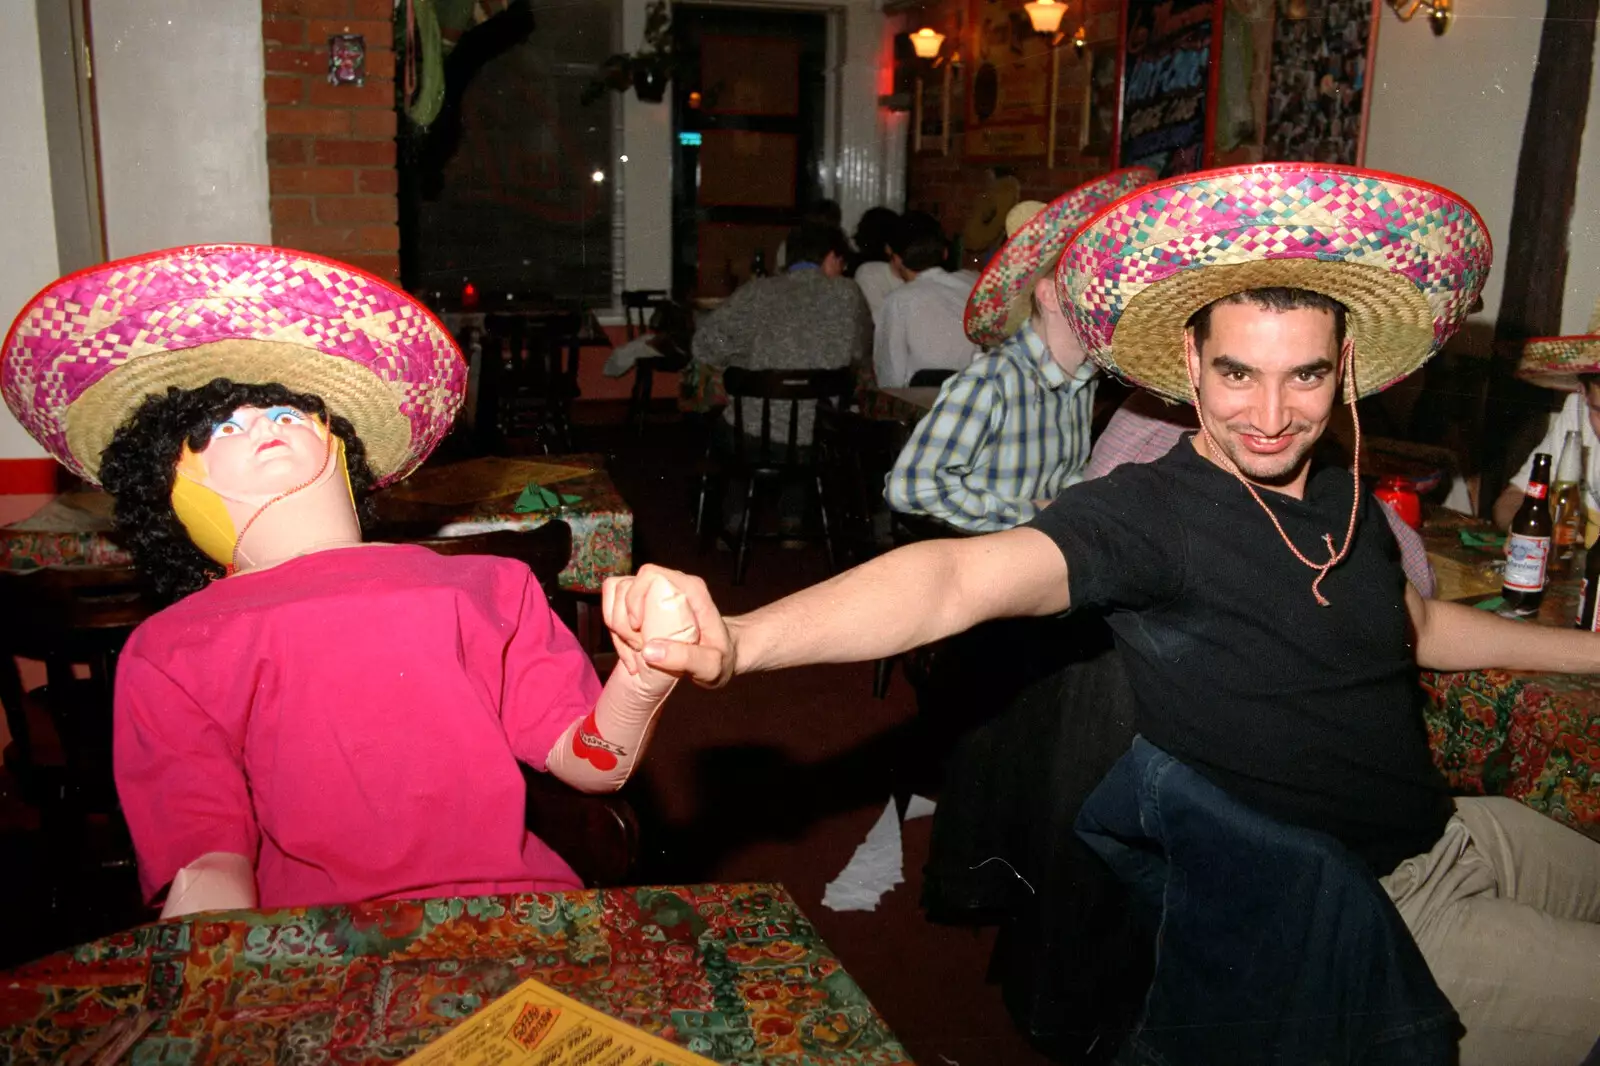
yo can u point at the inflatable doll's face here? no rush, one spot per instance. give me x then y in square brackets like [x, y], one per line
[264, 451]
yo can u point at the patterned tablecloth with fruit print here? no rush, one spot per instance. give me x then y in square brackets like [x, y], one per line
[1533, 737]
[733, 972]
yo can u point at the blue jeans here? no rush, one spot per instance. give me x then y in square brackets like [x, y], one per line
[1275, 944]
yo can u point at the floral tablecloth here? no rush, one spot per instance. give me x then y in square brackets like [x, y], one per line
[733, 972]
[1533, 737]
[75, 528]
[601, 521]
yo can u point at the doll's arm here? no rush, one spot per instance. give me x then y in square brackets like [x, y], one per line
[216, 881]
[598, 752]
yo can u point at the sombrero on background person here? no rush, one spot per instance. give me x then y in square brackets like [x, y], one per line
[999, 303]
[1556, 362]
[86, 351]
[988, 214]
[1406, 258]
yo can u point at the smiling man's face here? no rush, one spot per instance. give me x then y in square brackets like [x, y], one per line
[1268, 381]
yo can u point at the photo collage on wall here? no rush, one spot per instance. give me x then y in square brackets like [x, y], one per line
[1316, 103]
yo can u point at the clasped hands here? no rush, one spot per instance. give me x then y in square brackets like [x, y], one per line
[709, 661]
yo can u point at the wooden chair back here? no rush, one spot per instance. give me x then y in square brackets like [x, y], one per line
[790, 388]
[530, 365]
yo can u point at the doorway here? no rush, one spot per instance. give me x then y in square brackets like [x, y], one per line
[748, 139]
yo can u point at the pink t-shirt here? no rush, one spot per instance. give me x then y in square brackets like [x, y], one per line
[351, 720]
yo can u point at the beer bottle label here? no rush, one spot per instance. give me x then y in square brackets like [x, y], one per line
[1525, 562]
[1538, 491]
[1583, 609]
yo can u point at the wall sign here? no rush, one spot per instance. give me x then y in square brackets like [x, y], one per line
[1169, 83]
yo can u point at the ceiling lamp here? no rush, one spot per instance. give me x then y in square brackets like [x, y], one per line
[926, 42]
[1046, 15]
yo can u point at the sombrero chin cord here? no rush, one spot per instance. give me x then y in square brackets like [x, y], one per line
[327, 457]
[1347, 368]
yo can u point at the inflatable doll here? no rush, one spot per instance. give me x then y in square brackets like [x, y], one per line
[314, 719]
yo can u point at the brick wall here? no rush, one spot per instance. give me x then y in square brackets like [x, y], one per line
[331, 149]
[946, 185]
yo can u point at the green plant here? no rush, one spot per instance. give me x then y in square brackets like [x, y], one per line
[653, 64]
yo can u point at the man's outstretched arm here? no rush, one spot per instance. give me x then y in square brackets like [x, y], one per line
[898, 601]
[1453, 636]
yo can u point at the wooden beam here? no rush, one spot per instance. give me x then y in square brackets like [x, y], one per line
[1533, 260]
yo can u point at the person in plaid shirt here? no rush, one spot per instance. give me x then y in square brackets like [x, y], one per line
[1012, 429]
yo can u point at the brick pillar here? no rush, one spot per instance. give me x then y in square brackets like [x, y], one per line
[331, 148]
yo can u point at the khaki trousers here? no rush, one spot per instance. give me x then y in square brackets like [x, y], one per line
[1506, 909]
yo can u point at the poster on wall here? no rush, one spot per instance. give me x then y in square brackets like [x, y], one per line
[1007, 101]
[1316, 105]
[1168, 83]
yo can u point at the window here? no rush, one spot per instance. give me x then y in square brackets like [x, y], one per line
[512, 188]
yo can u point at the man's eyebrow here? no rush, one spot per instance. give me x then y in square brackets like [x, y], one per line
[1317, 366]
[1227, 364]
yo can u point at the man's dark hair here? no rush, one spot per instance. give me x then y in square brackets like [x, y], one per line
[873, 233]
[810, 242]
[1275, 298]
[919, 241]
[140, 466]
[824, 211]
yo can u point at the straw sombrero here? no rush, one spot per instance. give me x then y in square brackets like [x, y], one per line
[1407, 259]
[988, 214]
[1556, 362]
[89, 348]
[999, 303]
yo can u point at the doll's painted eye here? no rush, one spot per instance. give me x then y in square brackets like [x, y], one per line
[226, 429]
[285, 416]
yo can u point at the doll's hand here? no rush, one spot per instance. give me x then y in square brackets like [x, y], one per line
[707, 657]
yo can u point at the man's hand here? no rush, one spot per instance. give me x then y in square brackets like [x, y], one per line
[622, 604]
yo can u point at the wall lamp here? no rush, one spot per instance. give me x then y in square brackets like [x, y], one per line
[1439, 12]
[926, 42]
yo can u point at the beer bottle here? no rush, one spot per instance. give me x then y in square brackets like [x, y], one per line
[1566, 497]
[758, 264]
[1588, 617]
[1528, 545]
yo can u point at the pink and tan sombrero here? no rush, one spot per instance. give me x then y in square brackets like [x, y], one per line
[89, 348]
[1556, 362]
[1407, 259]
[999, 303]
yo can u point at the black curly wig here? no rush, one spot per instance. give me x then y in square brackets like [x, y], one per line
[140, 466]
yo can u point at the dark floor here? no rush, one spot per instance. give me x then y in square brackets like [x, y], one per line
[776, 778]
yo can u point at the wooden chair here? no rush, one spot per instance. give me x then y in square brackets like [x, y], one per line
[653, 309]
[74, 620]
[530, 367]
[761, 460]
[597, 835]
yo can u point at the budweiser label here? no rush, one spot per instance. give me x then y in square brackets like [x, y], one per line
[1525, 561]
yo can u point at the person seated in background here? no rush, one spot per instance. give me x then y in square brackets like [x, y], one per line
[876, 278]
[1011, 430]
[820, 213]
[920, 323]
[1572, 365]
[810, 317]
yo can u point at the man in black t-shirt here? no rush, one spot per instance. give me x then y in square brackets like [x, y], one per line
[1269, 633]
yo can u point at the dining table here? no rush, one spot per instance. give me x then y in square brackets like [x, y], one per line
[1529, 735]
[732, 972]
[447, 500]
